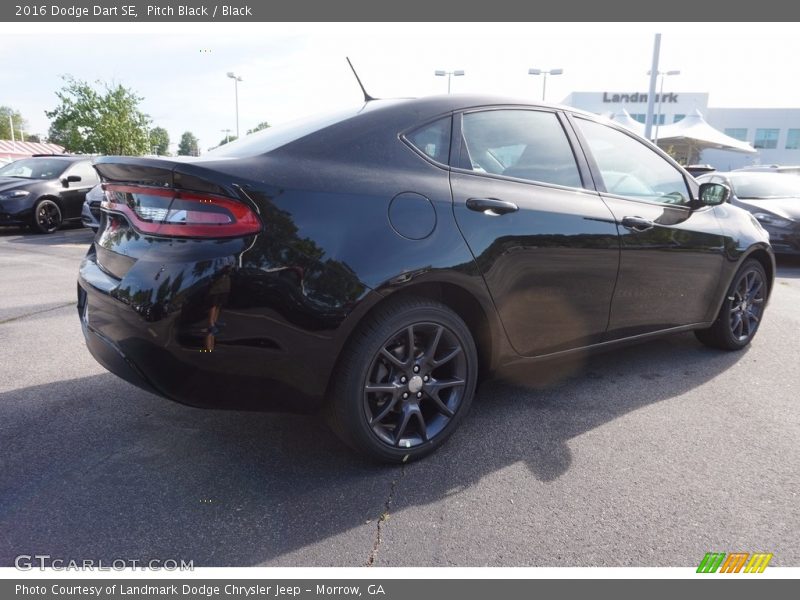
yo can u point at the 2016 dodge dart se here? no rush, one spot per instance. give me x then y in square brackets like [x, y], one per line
[375, 262]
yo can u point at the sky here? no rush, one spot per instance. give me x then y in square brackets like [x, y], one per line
[293, 70]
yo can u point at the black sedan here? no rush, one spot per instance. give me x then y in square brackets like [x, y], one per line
[377, 262]
[772, 198]
[44, 192]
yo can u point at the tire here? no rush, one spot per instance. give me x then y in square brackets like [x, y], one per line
[46, 216]
[741, 311]
[366, 406]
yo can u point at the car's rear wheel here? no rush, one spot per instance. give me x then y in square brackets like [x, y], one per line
[46, 216]
[405, 381]
[742, 310]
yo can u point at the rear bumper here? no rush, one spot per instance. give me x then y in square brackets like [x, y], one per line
[256, 361]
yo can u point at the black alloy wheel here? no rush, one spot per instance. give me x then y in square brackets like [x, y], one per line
[46, 216]
[415, 365]
[742, 309]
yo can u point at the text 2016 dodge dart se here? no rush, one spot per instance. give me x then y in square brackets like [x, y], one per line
[374, 262]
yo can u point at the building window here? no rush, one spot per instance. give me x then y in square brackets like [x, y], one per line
[642, 118]
[677, 118]
[793, 139]
[739, 133]
[766, 138]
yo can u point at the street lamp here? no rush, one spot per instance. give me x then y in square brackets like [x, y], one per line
[661, 74]
[236, 80]
[545, 73]
[456, 73]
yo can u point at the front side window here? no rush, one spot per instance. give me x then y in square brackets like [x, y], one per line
[766, 138]
[433, 139]
[629, 168]
[524, 144]
[85, 171]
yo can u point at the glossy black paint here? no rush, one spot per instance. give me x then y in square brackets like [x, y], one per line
[559, 274]
[69, 195]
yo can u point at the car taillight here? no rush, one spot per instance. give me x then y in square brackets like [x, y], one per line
[170, 212]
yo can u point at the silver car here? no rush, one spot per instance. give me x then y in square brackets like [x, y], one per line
[90, 213]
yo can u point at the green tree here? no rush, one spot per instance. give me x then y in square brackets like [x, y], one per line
[5, 128]
[227, 139]
[104, 121]
[189, 145]
[159, 141]
[259, 127]
[34, 137]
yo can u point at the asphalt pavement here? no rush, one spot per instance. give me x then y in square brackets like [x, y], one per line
[648, 456]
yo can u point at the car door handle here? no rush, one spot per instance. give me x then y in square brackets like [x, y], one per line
[491, 206]
[637, 223]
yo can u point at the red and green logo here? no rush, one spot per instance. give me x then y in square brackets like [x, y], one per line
[734, 563]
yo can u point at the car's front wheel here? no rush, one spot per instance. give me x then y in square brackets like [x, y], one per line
[46, 216]
[405, 381]
[742, 309]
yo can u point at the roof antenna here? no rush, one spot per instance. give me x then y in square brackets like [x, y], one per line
[367, 97]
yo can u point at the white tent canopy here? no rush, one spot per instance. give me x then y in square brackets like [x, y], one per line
[628, 122]
[692, 133]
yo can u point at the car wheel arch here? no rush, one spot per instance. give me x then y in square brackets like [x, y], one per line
[763, 257]
[459, 300]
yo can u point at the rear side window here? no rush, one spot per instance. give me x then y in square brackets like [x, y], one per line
[524, 144]
[433, 140]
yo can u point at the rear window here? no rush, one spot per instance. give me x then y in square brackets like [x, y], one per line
[433, 140]
[272, 138]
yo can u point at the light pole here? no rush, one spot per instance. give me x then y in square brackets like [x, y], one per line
[236, 80]
[545, 73]
[456, 73]
[661, 74]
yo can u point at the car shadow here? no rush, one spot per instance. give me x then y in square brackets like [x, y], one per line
[95, 468]
[68, 234]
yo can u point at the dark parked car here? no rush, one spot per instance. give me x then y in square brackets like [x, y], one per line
[696, 170]
[772, 198]
[45, 191]
[375, 263]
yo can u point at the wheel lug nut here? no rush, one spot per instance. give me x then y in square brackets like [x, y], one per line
[402, 380]
[416, 368]
[426, 378]
[419, 394]
[405, 395]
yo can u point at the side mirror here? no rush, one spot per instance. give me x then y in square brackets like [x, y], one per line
[71, 179]
[713, 194]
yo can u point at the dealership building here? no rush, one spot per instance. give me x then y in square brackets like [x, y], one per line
[773, 132]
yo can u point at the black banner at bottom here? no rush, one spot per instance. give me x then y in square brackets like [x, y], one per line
[388, 589]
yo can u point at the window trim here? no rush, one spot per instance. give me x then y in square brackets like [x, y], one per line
[598, 176]
[403, 137]
[587, 183]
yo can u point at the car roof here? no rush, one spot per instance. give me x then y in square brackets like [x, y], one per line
[430, 106]
[65, 157]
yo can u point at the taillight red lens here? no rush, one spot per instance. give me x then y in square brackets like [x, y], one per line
[177, 213]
